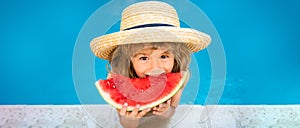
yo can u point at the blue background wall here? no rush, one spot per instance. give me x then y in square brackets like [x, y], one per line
[260, 38]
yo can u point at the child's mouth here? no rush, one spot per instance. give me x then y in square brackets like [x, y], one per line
[155, 72]
[155, 75]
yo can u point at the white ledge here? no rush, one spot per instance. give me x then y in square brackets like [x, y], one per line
[186, 116]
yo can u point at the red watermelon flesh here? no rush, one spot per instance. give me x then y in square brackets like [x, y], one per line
[147, 92]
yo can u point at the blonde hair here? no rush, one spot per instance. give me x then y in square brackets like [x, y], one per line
[120, 60]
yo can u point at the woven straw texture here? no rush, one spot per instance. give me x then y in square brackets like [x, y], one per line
[143, 13]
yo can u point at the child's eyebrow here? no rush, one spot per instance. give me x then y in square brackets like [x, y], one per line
[140, 53]
[143, 53]
[166, 52]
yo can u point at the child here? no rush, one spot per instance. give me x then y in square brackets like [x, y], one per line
[150, 42]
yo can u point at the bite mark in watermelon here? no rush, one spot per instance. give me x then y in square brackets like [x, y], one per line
[147, 92]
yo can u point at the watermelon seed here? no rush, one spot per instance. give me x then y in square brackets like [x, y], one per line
[108, 83]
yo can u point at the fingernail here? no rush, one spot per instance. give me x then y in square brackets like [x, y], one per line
[125, 104]
[148, 109]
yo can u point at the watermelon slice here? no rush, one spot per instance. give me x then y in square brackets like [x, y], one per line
[147, 92]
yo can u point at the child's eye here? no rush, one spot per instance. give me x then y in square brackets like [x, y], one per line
[143, 58]
[164, 56]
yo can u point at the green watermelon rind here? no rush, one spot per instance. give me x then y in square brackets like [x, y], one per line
[106, 96]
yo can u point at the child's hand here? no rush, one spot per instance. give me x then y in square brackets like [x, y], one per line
[164, 110]
[131, 119]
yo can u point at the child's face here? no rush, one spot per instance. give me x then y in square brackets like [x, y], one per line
[147, 60]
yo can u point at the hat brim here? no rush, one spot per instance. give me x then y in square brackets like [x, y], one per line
[103, 46]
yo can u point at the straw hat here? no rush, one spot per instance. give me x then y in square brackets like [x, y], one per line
[147, 22]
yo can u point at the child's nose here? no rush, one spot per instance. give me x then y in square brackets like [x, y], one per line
[155, 64]
[156, 67]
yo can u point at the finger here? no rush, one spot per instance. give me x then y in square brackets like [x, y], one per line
[144, 112]
[163, 106]
[134, 111]
[169, 102]
[157, 113]
[166, 104]
[160, 111]
[154, 108]
[157, 108]
[123, 109]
